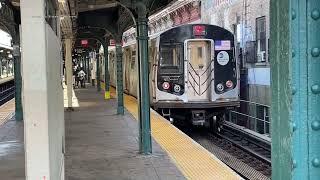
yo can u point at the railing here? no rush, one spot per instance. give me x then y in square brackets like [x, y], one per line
[253, 116]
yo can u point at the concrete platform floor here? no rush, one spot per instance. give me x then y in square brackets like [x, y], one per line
[103, 145]
[100, 145]
[11, 144]
[11, 151]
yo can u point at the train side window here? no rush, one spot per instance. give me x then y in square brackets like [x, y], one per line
[2, 67]
[151, 56]
[133, 59]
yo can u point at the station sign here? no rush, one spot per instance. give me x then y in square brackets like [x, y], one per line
[112, 42]
[5, 40]
[84, 42]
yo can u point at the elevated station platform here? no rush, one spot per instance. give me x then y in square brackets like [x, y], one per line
[11, 144]
[103, 145]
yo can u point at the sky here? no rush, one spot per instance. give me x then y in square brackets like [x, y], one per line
[5, 39]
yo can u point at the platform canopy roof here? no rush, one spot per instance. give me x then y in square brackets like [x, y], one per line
[103, 18]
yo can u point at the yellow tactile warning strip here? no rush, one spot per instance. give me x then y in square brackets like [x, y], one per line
[194, 161]
[7, 111]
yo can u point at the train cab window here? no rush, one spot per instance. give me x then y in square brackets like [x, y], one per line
[200, 52]
[171, 58]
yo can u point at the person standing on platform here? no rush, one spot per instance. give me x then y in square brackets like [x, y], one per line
[81, 78]
[75, 75]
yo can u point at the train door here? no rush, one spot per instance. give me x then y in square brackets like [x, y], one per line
[199, 71]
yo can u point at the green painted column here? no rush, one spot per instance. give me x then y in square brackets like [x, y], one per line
[145, 144]
[80, 60]
[281, 95]
[18, 83]
[98, 72]
[313, 87]
[120, 108]
[106, 73]
[84, 62]
[295, 65]
[88, 68]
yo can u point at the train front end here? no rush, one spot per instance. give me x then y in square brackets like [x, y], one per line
[197, 74]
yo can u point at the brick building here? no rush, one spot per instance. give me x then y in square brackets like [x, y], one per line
[178, 13]
[249, 21]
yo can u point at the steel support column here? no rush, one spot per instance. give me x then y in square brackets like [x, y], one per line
[17, 83]
[84, 62]
[295, 64]
[106, 72]
[145, 145]
[98, 71]
[88, 67]
[120, 109]
[69, 74]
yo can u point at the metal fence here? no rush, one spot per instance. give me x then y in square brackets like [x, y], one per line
[253, 116]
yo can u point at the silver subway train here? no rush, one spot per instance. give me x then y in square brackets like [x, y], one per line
[194, 75]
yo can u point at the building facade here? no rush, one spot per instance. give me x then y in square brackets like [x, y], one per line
[176, 14]
[249, 21]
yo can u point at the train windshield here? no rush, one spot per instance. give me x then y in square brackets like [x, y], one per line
[171, 59]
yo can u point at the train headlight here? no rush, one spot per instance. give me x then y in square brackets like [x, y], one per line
[220, 87]
[177, 88]
[229, 84]
[165, 85]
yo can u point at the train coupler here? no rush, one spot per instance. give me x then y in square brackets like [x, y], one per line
[198, 117]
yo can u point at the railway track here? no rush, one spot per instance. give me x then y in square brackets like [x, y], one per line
[257, 146]
[246, 154]
[6, 90]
